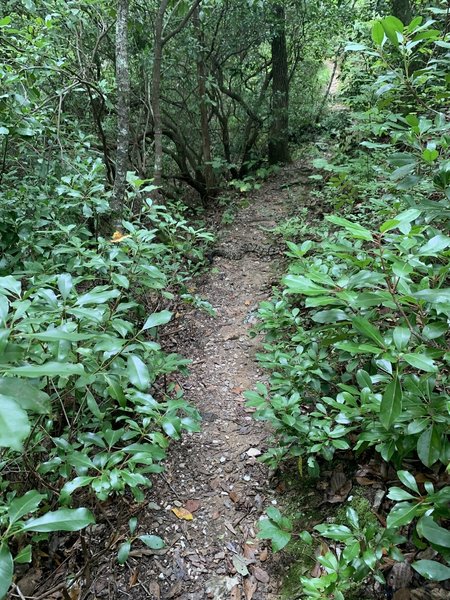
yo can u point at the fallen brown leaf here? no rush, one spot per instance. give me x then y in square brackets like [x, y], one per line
[230, 527]
[261, 575]
[235, 593]
[234, 496]
[155, 590]
[263, 555]
[175, 590]
[133, 578]
[250, 586]
[192, 505]
[249, 551]
[364, 481]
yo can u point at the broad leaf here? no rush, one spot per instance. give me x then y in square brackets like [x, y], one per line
[391, 404]
[25, 394]
[123, 553]
[421, 361]
[340, 533]
[392, 27]
[401, 336]
[378, 33]
[97, 296]
[408, 480]
[402, 514]
[65, 519]
[434, 533]
[429, 446]
[157, 319]
[27, 503]
[355, 229]
[431, 569]
[138, 372]
[6, 570]
[50, 369]
[152, 541]
[366, 328]
[270, 530]
[14, 424]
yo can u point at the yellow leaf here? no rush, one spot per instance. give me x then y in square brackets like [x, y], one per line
[118, 236]
[300, 466]
[182, 513]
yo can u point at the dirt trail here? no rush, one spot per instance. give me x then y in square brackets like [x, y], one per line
[216, 470]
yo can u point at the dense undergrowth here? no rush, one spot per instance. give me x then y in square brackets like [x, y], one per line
[86, 398]
[87, 407]
[356, 340]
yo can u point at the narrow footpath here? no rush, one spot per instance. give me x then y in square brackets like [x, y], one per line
[215, 474]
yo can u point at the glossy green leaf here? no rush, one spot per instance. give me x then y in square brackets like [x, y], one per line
[355, 229]
[432, 570]
[421, 361]
[49, 369]
[399, 494]
[365, 327]
[378, 33]
[429, 446]
[392, 26]
[298, 284]
[270, 530]
[98, 295]
[434, 533]
[23, 505]
[65, 284]
[436, 244]
[157, 319]
[340, 533]
[330, 316]
[408, 480]
[402, 514]
[401, 337]
[25, 394]
[391, 403]
[65, 519]
[123, 553]
[14, 424]
[138, 372]
[6, 570]
[152, 541]
[24, 556]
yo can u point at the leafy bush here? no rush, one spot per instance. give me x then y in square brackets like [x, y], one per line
[357, 341]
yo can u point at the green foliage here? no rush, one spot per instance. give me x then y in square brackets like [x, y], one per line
[356, 340]
[151, 541]
[275, 527]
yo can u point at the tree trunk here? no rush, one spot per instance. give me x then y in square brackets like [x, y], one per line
[156, 93]
[402, 10]
[279, 130]
[123, 112]
[204, 123]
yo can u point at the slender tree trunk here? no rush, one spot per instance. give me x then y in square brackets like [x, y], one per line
[156, 93]
[204, 123]
[123, 112]
[279, 130]
[402, 10]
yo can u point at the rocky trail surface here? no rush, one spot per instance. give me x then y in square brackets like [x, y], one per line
[215, 474]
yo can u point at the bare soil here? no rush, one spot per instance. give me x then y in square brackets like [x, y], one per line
[215, 474]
